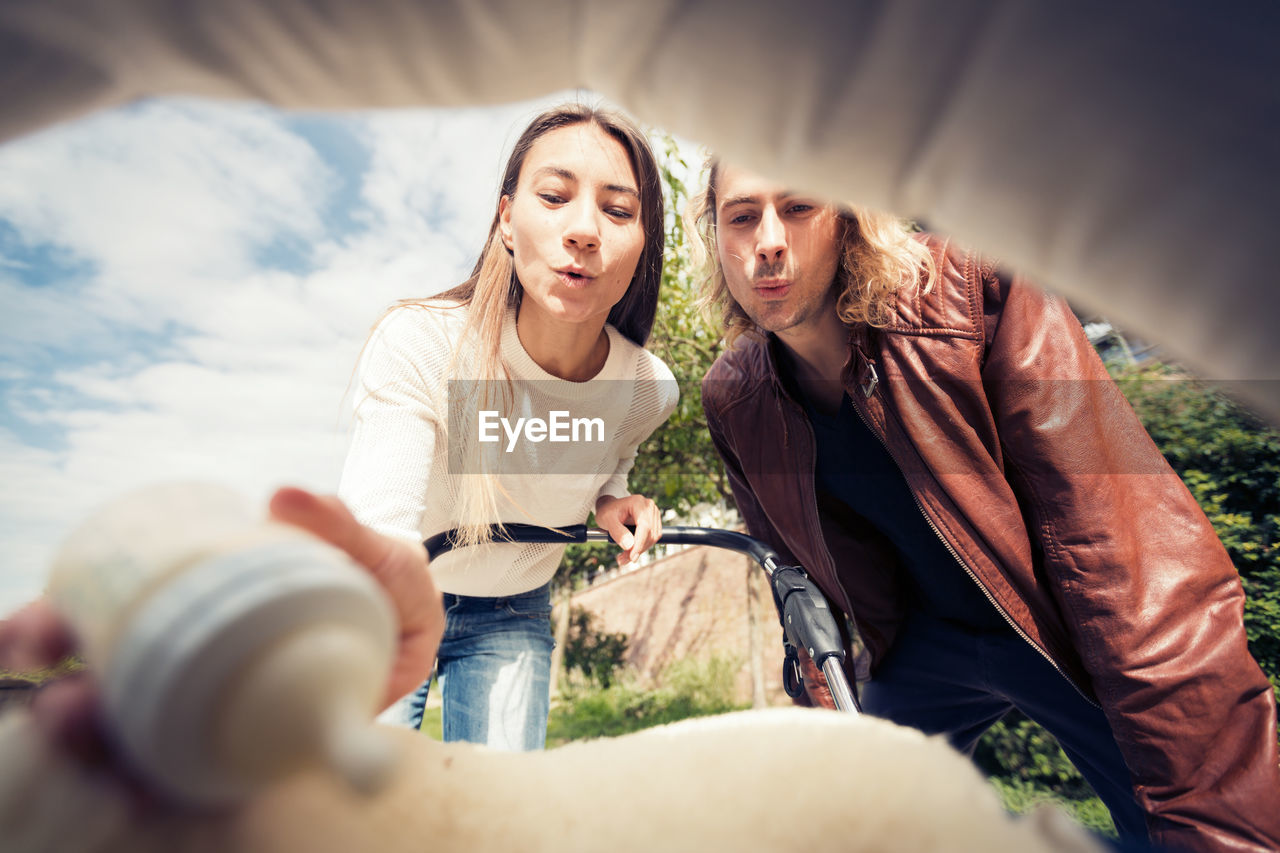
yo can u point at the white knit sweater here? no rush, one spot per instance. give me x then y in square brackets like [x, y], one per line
[398, 477]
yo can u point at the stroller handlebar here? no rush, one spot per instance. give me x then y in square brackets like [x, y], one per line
[578, 533]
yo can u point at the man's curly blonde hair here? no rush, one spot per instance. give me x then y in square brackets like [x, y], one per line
[879, 257]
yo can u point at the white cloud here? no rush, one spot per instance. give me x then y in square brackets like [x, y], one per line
[180, 348]
[165, 187]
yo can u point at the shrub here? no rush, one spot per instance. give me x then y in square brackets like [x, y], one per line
[689, 689]
[595, 653]
[1022, 797]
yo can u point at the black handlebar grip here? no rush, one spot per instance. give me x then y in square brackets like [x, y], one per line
[806, 617]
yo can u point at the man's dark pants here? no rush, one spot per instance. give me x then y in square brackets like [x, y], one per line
[945, 679]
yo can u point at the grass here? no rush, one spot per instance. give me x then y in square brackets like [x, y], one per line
[431, 724]
[40, 676]
[1021, 797]
[688, 689]
[585, 710]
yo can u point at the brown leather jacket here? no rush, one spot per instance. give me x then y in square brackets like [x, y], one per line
[1034, 471]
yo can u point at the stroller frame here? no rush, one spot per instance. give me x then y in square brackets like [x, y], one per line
[806, 618]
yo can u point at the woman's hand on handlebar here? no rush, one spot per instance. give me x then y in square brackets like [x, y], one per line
[616, 514]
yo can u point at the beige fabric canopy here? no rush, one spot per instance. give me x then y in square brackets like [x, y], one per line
[1123, 154]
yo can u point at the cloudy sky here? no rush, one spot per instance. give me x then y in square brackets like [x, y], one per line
[186, 286]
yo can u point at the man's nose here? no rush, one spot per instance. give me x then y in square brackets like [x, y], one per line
[582, 229]
[771, 236]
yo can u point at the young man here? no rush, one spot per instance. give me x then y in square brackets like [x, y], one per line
[942, 449]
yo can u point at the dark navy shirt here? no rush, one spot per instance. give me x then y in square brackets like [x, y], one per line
[854, 468]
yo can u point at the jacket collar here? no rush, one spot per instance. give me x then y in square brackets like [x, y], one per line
[858, 340]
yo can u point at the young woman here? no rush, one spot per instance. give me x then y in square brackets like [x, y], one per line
[521, 396]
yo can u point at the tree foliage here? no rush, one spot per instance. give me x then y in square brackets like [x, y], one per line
[678, 466]
[1024, 755]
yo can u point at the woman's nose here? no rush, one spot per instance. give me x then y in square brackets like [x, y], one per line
[582, 230]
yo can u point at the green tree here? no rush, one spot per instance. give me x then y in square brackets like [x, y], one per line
[678, 466]
[592, 651]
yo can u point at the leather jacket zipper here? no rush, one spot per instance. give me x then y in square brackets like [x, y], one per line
[868, 385]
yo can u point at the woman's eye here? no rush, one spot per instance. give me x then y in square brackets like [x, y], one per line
[741, 219]
[551, 198]
[800, 208]
[619, 212]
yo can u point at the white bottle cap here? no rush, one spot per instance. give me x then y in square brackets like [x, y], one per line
[230, 656]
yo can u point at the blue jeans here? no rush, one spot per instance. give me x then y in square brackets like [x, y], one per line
[494, 670]
[944, 679]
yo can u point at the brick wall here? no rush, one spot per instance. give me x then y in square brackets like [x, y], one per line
[695, 604]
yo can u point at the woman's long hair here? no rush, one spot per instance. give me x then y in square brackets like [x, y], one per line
[878, 257]
[492, 289]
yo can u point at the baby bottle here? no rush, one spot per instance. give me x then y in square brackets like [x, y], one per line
[231, 650]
